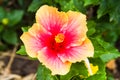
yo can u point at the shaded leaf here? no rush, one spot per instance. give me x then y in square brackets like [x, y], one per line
[2, 47]
[10, 37]
[35, 5]
[91, 27]
[110, 7]
[2, 13]
[1, 28]
[103, 9]
[14, 17]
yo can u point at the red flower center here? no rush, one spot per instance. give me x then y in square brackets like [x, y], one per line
[56, 43]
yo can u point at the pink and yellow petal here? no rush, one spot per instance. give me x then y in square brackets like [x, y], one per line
[51, 61]
[36, 30]
[77, 22]
[51, 19]
[76, 26]
[31, 43]
[77, 53]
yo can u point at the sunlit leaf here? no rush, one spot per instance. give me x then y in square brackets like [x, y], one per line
[22, 51]
[90, 2]
[25, 29]
[44, 74]
[77, 69]
[104, 50]
[101, 74]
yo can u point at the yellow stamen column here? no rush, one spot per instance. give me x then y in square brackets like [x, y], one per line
[59, 38]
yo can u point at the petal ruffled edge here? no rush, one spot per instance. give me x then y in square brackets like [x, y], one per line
[35, 30]
[31, 40]
[77, 21]
[30, 44]
[78, 53]
[52, 62]
[50, 18]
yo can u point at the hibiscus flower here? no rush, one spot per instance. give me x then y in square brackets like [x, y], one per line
[58, 39]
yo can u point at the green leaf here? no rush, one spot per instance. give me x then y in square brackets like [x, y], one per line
[97, 77]
[77, 77]
[21, 51]
[103, 9]
[74, 5]
[35, 5]
[14, 17]
[21, 2]
[77, 69]
[69, 6]
[109, 75]
[109, 56]
[10, 37]
[1, 28]
[2, 13]
[101, 74]
[107, 7]
[98, 48]
[25, 29]
[108, 31]
[79, 5]
[2, 47]
[44, 74]
[90, 2]
[104, 50]
[115, 13]
[91, 27]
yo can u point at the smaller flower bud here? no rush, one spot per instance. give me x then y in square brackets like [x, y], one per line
[5, 21]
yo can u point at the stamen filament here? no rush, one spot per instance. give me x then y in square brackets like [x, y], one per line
[87, 63]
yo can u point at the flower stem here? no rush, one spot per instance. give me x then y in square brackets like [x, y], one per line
[87, 63]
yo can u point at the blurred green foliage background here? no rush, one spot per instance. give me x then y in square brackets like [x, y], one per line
[103, 21]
